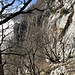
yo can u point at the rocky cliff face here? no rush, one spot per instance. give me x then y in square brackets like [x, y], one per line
[62, 20]
[52, 33]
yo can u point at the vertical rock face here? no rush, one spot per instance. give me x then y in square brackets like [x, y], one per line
[59, 71]
[59, 27]
[64, 21]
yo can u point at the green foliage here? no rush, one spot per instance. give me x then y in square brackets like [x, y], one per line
[52, 10]
[51, 6]
[50, 1]
[47, 1]
[63, 11]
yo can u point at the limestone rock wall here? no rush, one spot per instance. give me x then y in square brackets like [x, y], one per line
[61, 25]
[63, 22]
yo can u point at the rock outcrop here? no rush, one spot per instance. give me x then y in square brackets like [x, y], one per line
[50, 35]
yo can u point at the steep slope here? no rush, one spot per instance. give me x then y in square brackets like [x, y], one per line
[49, 38]
[57, 25]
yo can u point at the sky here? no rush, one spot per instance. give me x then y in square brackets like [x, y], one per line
[16, 4]
[34, 1]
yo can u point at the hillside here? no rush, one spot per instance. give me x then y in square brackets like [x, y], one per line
[48, 39]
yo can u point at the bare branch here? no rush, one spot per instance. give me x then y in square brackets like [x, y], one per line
[8, 48]
[29, 11]
[4, 36]
[7, 6]
[15, 14]
[14, 53]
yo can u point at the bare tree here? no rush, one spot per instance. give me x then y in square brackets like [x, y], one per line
[6, 15]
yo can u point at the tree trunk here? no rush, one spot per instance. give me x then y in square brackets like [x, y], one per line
[63, 53]
[34, 64]
[1, 67]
